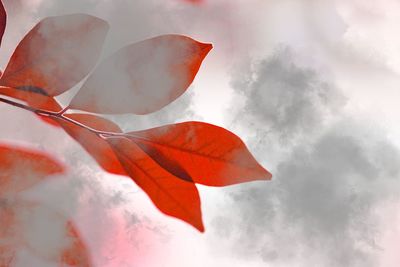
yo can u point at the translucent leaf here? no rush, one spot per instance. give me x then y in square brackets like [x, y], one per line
[142, 77]
[22, 168]
[56, 54]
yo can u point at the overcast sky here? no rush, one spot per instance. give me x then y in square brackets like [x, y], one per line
[311, 86]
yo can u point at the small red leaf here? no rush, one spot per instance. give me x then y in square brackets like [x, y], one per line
[3, 20]
[204, 153]
[9, 237]
[56, 54]
[23, 168]
[170, 194]
[142, 77]
[76, 254]
[96, 146]
[196, 2]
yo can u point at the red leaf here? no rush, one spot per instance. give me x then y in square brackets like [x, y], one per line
[142, 77]
[23, 168]
[194, 1]
[56, 54]
[34, 100]
[22, 225]
[204, 153]
[9, 237]
[19, 170]
[3, 20]
[170, 194]
[96, 146]
[76, 254]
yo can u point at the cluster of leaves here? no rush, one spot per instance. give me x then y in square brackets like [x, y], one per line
[166, 162]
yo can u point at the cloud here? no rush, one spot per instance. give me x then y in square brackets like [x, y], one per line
[286, 99]
[321, 203]
[332, 173]
[282, 104]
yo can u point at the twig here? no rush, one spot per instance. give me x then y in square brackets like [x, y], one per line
[61, 116]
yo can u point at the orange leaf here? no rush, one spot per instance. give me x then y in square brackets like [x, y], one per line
[3, 20]
[202, 152]
[56, 54]
[96, 146]
[23, 168]
[170, 194]
[142, 77]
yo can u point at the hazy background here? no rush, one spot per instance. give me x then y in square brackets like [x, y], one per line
[311, 86]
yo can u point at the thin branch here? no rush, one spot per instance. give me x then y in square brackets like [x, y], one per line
[59, 115]
[15, 104]
[63, 110]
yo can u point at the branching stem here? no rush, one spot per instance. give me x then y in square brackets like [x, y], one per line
[59, 115]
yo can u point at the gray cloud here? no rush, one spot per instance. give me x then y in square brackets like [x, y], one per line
[320, 206]
[286, 99]
[283, 104]
[333, 171]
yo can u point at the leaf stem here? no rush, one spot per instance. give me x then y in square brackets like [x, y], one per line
[60, 115]
[63, 110]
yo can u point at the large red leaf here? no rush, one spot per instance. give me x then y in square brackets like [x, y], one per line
[201, 152]
[56, 54]
[22, 168]
[96, 146]
[142, 77]
[3, 20]
[171, 195]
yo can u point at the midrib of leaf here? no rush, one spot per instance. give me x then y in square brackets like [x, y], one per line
[188, 151]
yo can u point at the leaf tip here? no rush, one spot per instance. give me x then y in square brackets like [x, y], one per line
[201, 229]
[199, 225]
[266, 175]
[206, 47]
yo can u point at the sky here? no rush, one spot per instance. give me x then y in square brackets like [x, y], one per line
[311, 86]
